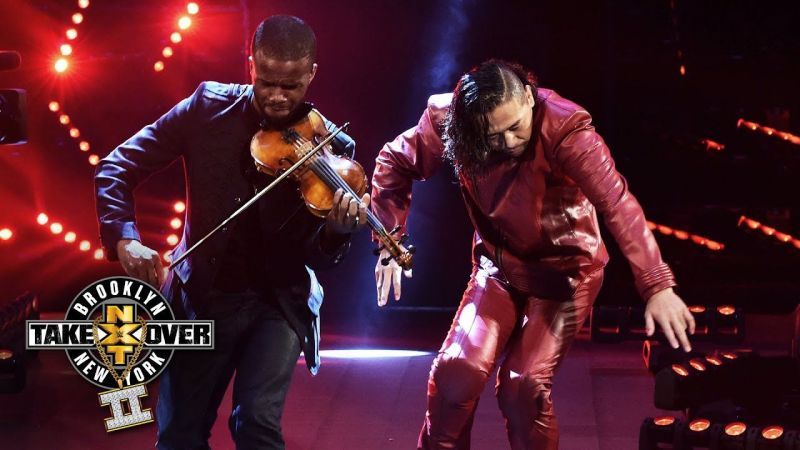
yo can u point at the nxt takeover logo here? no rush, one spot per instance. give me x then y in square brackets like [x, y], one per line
[119, 334]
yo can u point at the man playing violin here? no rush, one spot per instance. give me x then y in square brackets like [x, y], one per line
[533, 172]
[253, 277]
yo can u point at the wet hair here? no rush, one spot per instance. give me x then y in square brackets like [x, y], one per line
[477, 93]
[285, 38]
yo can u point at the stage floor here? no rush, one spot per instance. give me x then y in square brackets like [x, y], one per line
[601, 395]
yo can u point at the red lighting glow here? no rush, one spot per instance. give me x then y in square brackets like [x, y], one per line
[167, 52]
[714, 360]
[753, 126]
[184, 22]
[664, 421]
[680, 370]
[83, 4]
[192, 8]
[70, 237]
[63, 119]
[6, 234]
[772, 432]
[77, 18]
[172, 239]
[74, 132]
[179, 207]
[684, 235]
[175, 37]
[735, 428]
[175, 223]
[61, 65]
[42, 219]
[84, 146]
[94, 160]
[72, 34]
[726, 310]
[66, 49]
[84, 246]
[712, 145]
[99, 254]
[697, 309]
[56, 228]
[698, 425]
[158, 66]
[53, 106]
[697, 365]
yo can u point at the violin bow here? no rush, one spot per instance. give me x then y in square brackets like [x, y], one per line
[260, 194]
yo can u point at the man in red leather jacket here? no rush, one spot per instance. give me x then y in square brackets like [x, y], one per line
[533, 172]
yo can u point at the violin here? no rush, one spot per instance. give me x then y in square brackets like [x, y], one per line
[276, 151]
[303, 152]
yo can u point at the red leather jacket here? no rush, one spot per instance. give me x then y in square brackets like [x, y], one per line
[535, 216]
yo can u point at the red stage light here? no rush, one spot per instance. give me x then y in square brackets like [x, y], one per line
[94, 160]
[70, 237]
[697, 365]
[6, 234]
[56, 228]
[726, 310]
[99, 254]
[783, 237]
[61, 65]
[697, 309]
[664, 420]
[735, 428]
[175, 223]
[53, 106]
[64, 119]
[772, 432]
[66, 49]
[172, 239]
[683, 70]
[84, 246]
[729, 355]
[158, 66]
[175, 37]
[698, 425]
[192, 8]
[42, 219]
[714, 360]
[72, 34]
[167, 256]
[680, 370]
[167, 52]
[83, 4]
[179, 207]
[184, 22]
[77, 18]
[682, 235]
[74, 132]
[663, 229]
[84, 146]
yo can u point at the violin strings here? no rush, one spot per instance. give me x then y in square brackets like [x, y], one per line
[328, 174]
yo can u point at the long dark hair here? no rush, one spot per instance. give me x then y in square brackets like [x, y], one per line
[476, 94]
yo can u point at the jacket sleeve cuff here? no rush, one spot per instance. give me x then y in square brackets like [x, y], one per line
[112, 233]
[654, 280]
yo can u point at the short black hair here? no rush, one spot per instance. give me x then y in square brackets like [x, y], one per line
[286, 38]
[477, 93]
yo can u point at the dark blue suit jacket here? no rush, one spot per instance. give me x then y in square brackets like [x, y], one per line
[211, 132]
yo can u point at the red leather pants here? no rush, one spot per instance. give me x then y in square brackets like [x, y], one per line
[534, 334]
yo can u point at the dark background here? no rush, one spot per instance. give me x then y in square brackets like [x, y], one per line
[379, 61]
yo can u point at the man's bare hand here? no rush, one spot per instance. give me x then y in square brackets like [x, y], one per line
[670, 312]
[388, 276]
